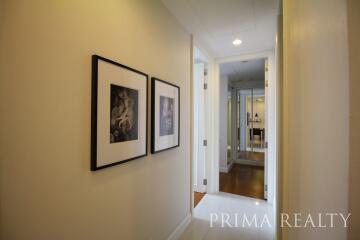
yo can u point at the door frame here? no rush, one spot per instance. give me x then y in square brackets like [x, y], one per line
[212, 123]
[240, 135]
[209, 61]
[272, 110]
[198, 135]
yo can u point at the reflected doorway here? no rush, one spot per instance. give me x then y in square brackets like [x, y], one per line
[251, 126]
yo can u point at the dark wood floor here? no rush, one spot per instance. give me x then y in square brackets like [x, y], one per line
[256, 156]
[197, 197]
[243, 180]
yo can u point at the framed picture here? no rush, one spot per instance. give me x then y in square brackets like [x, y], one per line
[119, 113]
[165, 115]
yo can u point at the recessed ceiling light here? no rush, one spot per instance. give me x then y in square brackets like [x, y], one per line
[237, 42]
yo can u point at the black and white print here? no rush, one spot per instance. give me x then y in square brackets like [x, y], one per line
[118, 113]
[166, 116]
[123, 114]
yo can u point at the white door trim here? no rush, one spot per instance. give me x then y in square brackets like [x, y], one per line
[199, 133]
[272, 121]
[206, 58]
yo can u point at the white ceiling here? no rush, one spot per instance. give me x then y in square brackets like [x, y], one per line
[253, 70]
[215, 24]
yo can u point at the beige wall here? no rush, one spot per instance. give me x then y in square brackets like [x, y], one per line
[354, 179]
[47, 190]
[223, 124]
[315, 120]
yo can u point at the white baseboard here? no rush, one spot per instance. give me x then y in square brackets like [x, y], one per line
[227, 168]
[223, 169]
[230, 165]
[255, 149]
[176, 234]
[199, 188]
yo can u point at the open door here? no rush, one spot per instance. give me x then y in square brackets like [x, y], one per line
[199, 138]
[267, 130]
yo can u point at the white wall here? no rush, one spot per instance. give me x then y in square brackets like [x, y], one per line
[46, 187]
[223, 124]
[315, 129]
[271, 136]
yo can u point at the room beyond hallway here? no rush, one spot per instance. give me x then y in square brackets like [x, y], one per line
[205, 226]
[197, 198]
[245, 180]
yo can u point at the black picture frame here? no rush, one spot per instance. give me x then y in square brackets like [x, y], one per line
[94, 113]
[153, 112]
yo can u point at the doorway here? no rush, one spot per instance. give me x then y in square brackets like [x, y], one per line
[199, 123]
[270, 155]
[242, 88]
[251, 125]
[215, 201]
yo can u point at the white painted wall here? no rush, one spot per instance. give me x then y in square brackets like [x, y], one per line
[243, 119]
[199, 131]
[47, 190]
[234, 129]
[211, 153]
[315, 124]
[271, 120]
[223, 124]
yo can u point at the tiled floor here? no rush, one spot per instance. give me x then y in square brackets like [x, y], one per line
[200, 228]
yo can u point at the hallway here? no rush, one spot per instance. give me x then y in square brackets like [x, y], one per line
[200, 227]
[113, 113]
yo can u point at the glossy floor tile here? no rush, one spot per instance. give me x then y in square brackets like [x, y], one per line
[227, 216]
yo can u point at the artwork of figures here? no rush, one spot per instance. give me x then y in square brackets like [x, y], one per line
[119, 113]
[165, 110]
[166, 116]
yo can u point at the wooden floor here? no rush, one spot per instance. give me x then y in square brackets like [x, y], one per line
[243, 180]
[256, 156]
[256, 143]
[197, 197]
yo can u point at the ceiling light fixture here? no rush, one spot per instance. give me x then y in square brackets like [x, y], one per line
[237, 42]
